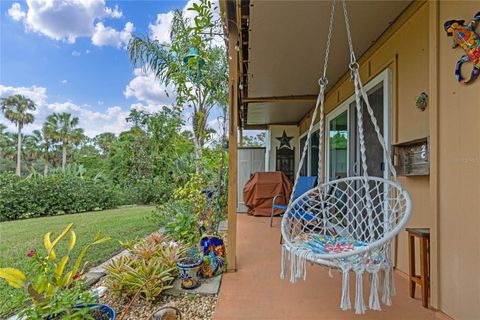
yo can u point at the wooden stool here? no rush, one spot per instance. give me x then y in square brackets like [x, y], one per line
[423, 234]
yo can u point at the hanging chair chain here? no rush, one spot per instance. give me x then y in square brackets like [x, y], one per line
[323, 81]
[353, 59]
[360, 94]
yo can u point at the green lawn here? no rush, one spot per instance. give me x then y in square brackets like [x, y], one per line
[18, 237]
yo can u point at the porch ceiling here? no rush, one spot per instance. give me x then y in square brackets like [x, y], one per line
[287, 48]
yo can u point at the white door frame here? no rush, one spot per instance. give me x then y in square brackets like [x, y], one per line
[332, 115]
[385, 77]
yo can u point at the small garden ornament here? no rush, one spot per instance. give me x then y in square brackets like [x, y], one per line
[466, 37]
[213, 255]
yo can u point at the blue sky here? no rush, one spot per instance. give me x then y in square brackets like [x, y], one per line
[69, 55]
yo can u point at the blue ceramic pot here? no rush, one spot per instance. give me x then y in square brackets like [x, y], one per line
[105, 308]
[190, 272]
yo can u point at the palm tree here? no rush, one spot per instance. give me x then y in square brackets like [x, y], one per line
[105, 141]
[30, 149]
[200, 76]
[7, 144]
[16, 109]
[61, 127]
[44, 144]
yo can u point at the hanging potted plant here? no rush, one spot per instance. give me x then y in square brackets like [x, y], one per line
[55, 292]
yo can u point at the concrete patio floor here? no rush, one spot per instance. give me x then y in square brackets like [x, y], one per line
[256, 291]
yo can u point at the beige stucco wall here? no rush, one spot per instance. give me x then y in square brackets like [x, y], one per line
[459, 176]
[406, 54]
[456, 251]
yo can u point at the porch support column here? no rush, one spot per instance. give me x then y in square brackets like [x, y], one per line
[434, 25]
[233, 154]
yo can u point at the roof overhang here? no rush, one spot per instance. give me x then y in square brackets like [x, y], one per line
[282, 49]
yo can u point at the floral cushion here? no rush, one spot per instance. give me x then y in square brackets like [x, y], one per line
[324, 244]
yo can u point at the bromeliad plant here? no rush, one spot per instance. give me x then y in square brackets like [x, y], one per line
[54, 290]
[148, 269]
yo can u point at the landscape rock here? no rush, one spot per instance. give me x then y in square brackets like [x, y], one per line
[167, 312]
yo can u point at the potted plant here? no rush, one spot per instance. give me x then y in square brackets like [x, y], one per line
[189, 268]
[55, 292]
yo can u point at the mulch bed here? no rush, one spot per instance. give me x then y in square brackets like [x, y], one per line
[192, 306]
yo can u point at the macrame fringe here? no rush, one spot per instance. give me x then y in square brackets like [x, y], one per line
[374, 301]
[359, 304]
[298, 263]
[293, 270]
[284, 262]
[345, 303]
[301, 257]
[388, 290]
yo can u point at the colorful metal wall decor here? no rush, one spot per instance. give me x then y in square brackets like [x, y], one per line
[464, 35]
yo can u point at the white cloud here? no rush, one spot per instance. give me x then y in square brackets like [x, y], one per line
[147, 89]
[66, 20]
[76, 53]
[87, 51]
[160, 30]
[113, 119]
[16, 12]
[109, 36]
[37, 94]
[114, 13]
[64, 81]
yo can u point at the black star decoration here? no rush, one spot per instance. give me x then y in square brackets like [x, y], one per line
[284, 141]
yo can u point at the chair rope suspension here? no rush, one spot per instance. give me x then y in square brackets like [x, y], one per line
[346, 224]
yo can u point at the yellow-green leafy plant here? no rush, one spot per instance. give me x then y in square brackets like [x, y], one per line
[191, 193]
[171, 252]
[147, 270]
[55, 287]
[131, 275]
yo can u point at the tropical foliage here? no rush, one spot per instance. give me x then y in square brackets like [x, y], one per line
[54, 194]
[17, 109]
[192, 63]
[55, 287]
[148, 269]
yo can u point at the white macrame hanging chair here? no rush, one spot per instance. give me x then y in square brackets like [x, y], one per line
[346, 224]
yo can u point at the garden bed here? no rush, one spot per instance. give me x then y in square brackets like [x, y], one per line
[192, 306]
[195, 304]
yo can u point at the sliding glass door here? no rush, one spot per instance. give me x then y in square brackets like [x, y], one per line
[337, 145]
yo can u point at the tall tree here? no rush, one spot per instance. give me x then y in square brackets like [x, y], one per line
[17, 109]
[44, 145]
[62, 127]
[104, 141]
[192, 63]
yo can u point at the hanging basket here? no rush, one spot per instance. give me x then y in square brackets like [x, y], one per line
[347, 224]
[333, 223]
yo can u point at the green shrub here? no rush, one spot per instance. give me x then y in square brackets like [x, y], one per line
[51, 195]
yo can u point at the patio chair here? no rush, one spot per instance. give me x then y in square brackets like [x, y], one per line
[304, 184]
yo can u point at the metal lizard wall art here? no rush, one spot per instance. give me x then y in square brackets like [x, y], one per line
[466, 37]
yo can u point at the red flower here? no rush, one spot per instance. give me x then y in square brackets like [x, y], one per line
[76, 276]
[31, 253]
